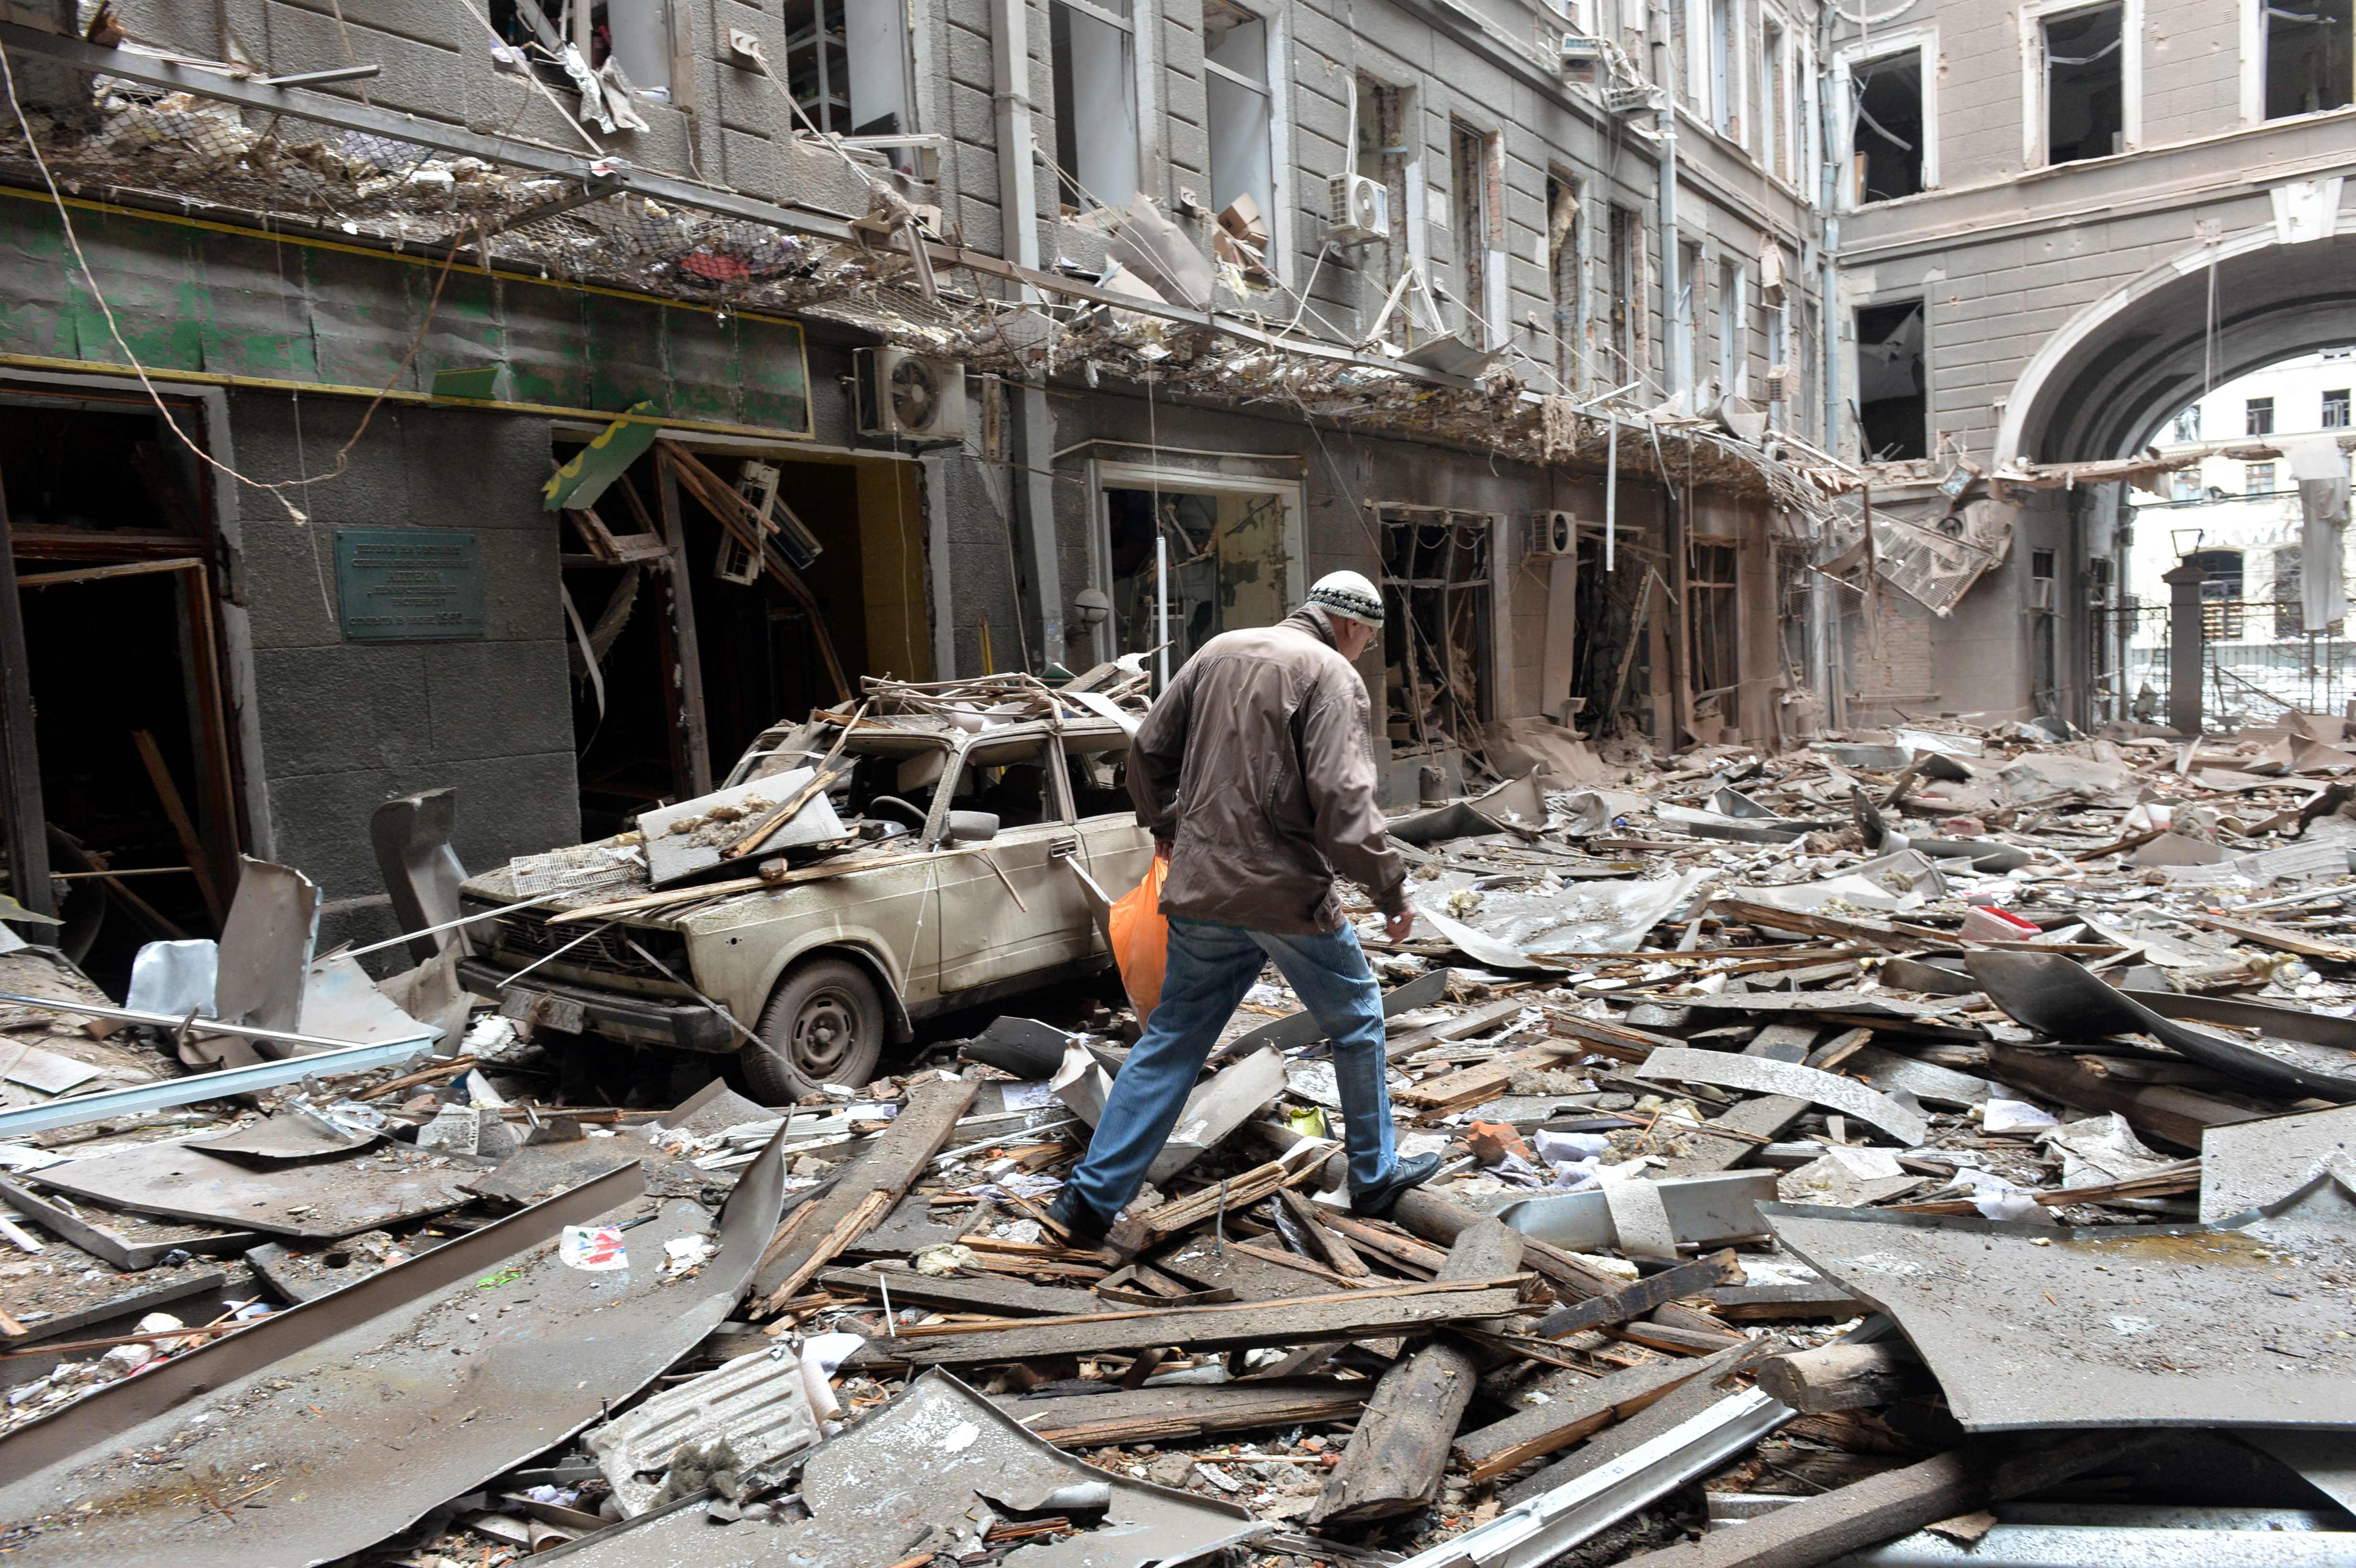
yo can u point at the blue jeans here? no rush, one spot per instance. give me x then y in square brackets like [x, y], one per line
[1210, 968]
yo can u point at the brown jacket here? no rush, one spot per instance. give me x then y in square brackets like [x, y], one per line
[1256, 762]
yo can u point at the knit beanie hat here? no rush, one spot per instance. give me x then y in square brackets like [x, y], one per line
[1347, 594]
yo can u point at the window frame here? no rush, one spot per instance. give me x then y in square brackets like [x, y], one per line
[2250, 408]
[1140, 99]
[1923, 44]
[2034, 15]
[2336, 400]
[2253, 71]
[1279, 217]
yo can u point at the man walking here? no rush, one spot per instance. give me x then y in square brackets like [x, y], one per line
[1255, 773]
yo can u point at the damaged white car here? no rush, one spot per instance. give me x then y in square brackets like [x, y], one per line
[955, 854]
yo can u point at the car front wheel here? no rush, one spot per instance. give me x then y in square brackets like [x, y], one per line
[823, 1025]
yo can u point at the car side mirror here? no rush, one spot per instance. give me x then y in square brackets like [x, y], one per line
[972, 827]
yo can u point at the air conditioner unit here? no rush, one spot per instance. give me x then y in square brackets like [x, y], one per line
[1360, 209]
[1553, 534]
[1584, 62]
[2041, 593]
[1629, 99]
[910, 397]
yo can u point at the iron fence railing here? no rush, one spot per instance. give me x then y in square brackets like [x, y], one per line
[2256, 660]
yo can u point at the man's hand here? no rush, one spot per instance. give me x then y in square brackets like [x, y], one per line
[1397, 927]
[1161, 851]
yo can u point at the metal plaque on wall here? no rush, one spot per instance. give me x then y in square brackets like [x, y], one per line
[409, 585]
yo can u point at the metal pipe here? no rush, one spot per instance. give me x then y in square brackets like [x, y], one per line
[1161, 606]
[1018, 207]
[1678, 374]
[1612, 493]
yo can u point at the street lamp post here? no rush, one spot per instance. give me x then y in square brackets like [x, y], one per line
[2187, 633]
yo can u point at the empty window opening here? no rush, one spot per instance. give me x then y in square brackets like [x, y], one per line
[1894, 407]
[1713, 632]
[1693, 293]
[1469, 161]
[2085, 85]
[2258, 479]
[2335, 409]
[1228, 564]
[1095, 101]
[2258, 417]
[1887, 130]
[2221, 592]
[2185, 428]
[1627, 234]
[1242, 114]
[1566, 260]
[2310, 56]
[2041, 564]
[1436, 647]
[1774, 134]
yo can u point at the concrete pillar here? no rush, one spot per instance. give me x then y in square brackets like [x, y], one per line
[2187, 637]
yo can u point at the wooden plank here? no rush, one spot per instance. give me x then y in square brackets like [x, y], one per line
[1238, 1193]
[1541, 1429]
[1248, 1325]
[808, 1241]
[1750, 1123]
[1695, 1278]
[957, 1293]
[183, 828]
[1869, 931]
[1181, 1414]
[1475, 1085]
[684, 680]
[1398, 1455]
[1338, 1252]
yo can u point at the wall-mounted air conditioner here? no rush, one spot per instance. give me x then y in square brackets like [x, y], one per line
[1361, 209]
[910, 397]
[1554, 534]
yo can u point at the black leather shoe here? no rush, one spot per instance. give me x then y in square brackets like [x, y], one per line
[1088, 1227]
[1376, 1202]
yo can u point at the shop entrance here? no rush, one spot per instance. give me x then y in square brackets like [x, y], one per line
[699, 645]
[1227, 555]
[108, 534]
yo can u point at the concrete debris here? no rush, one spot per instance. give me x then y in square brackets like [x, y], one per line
[1773, 1176]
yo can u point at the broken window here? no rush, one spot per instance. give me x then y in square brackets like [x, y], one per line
[1893, 406]
[1241, 110]
[2258, 417]
[1713, 622]
[1566, 258]
[1774, 130]
[2085, 85]
[1627, 232]
[2187, 485]
[1468, 160]
[2335, 408]
[1887, 128]
[2221, 592]
[1227, 564]
[847, 65]
[631, 44]
[1436, 646]
[2310, 63]
[2185, 428]
[1096, 101]
[2258, 479]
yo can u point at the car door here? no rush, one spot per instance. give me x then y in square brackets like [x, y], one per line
[1115, 850]
[1008, 906]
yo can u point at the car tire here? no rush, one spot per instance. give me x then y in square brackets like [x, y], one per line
[824, 1024]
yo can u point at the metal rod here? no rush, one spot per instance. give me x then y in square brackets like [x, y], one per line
[1162, 604]
[219, 1085]
[450, 925]
[1612, 493]
[315, 78]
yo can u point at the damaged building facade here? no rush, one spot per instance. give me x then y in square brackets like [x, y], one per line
[2057, 226]
[318, 303]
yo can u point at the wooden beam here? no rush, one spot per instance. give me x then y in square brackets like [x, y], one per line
[1541, 1429]
[809, 1240]
[1748, 1124]
[1181, 1414]
[1685, 1279]
[1438, 1219]
[690, 719]
[175, 811]
[1842, 1376]
[737, 515]
[1239, 1325]
[23, 818]
[1398, 1455]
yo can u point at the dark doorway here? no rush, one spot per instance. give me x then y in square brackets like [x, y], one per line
[2311, 57]
[112, 561]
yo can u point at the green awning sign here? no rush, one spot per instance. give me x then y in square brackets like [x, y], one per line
[596, 466]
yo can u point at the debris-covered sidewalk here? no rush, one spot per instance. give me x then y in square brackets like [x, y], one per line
[1931, 1146]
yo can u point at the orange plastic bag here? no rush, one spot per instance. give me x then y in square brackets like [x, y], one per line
[1140, 941]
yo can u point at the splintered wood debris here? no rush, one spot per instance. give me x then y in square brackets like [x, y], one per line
[1724, 1061]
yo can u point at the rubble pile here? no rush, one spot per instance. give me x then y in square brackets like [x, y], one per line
[1933, 1144]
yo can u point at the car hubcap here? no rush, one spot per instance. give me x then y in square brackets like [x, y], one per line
[824, 1033]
